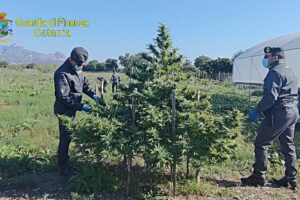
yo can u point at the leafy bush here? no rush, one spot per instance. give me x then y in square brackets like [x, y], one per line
[140, 121]
[94, 178]
[16, 160]
[257, 93]
[95, 138]
[221, 103]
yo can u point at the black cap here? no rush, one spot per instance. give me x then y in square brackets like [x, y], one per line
[267, 49]
[79, 55]
[275, 51]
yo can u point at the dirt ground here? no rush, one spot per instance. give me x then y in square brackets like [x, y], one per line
[51, 186]
[41, 186]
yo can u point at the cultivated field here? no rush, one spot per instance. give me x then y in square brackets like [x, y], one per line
[29, 139]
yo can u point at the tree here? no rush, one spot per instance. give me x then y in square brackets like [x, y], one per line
[95, 66]
[91, 66]
[213, 66]
[188, 68]
[111, 64]
[101, 67]
[220, 65]
[187, 64]
[31, 66]
[202, 63]
[3, 64]
[235, 55]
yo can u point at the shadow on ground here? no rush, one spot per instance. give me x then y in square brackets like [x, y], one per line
[35, 186]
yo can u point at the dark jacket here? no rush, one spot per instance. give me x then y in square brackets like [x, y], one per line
[280, 89]
[69, 87]
[115, 79]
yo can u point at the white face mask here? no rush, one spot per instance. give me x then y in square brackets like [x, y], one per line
[78, 69]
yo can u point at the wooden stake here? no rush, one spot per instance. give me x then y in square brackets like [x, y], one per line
[102, 85]
[187, 166]
[173, 168]
[129, 158]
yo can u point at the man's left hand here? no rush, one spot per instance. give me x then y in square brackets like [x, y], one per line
[253, 115]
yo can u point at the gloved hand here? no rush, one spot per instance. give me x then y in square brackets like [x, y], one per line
[86, 108]
[253, 115]
[99, 100]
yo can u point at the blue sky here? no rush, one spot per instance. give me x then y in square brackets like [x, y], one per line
[215, 28]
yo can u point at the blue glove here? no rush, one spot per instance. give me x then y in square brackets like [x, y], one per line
[253, 115]
[86, 108]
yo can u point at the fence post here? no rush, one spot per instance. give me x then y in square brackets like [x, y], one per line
[102, 85]
[173, 166]
[2, 81]
[129, 158]
[250, 87]
[97, 89]
[101, 89]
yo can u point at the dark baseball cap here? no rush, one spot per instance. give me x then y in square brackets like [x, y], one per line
[79, 55]
[274, 50]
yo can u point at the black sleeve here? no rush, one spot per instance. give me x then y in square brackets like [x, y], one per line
[87, 89]
[64, 94]
[272, 87]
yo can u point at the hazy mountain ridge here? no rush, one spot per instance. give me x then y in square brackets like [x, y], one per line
[18, 54]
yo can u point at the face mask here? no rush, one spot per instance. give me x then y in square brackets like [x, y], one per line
[265, 62]
[78, 69]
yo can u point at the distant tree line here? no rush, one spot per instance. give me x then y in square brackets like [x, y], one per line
[210, 67]
[132, 64]
[96, 66]
[213, 66]
[3, 64]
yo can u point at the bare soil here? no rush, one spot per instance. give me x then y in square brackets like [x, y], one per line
[49, 185]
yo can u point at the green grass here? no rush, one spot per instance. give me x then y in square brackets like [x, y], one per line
[28, 123]
[203, 188]
[228, 193]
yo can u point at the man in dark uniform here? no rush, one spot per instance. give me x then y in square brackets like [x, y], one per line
[279, 106]
[115, 79]
[69, 84]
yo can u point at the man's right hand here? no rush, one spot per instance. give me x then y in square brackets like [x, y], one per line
[86, 108]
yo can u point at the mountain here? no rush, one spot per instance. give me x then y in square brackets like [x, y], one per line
[18, 54]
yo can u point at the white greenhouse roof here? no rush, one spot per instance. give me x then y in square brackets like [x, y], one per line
[287, 42]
